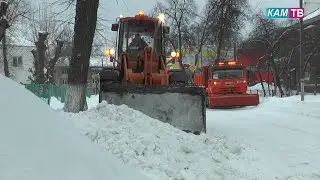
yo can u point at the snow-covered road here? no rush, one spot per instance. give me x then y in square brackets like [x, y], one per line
[284, 136]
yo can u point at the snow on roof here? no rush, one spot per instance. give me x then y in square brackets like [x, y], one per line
[312, 15]
[18, 38]
[94, 61]
[20, 41]
[38, 143]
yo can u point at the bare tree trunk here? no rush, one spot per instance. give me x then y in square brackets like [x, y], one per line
[269, 78]
[277, 78]
[261, 81]
[180, 53]
[84, 30]
[5, 56]
[41, 49]
[53, 61]
[180, 46]
[220, 39]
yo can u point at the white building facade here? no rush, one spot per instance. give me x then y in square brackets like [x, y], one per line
[20, 60]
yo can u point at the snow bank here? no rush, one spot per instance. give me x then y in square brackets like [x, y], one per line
[56, 103]
[92, 102]
[259, 87]
[161, 151]
[37, 143]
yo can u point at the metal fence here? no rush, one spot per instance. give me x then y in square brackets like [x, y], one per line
[260, 92]
[46, 91]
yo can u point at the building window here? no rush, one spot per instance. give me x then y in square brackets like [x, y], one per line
[93, 81]
[64, 81]
[64, 71]
[17, 61]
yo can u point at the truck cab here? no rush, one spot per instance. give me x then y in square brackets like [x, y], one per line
[227, 78]
[226, 85]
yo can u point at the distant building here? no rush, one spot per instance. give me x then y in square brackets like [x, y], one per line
[97, 61]
[20, 59]
[61, 73]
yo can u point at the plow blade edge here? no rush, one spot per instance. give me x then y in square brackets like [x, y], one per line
[233, 100]
[182, 107]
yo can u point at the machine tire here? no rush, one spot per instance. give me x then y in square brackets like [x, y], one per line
[177, 77]
[109, 74]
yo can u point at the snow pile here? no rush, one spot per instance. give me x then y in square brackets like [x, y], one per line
[37, 143]
[284, 133]
[259, 87]
[55, 103]
[92, 102]
[160, 150]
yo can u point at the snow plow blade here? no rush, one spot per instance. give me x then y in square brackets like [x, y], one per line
[182, 107]
[233, 100]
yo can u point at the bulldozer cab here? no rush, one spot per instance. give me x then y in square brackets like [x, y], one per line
[137, 33]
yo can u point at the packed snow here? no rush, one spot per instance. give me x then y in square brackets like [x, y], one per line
[37, 143]
[58, 105]
[259, 87]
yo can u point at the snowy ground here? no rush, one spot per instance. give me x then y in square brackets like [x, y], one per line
[37, 143]
[284, 134]
[279, 139]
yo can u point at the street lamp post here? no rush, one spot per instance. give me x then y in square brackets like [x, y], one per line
[301, 55]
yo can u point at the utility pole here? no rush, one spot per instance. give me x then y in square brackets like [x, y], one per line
[301, 55]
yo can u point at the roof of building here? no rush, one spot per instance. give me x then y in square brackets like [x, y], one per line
[95, 61]
[312, 18]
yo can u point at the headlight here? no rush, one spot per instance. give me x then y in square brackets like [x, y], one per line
[112, 52]
[161, 17]
[173, 54]
[243, 81]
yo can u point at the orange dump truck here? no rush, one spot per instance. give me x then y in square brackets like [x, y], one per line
[226, 85]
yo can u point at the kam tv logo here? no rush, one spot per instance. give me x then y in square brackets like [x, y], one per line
[292, 13]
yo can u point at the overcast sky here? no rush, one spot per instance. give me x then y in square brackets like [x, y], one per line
[110, 9]
[129, 7]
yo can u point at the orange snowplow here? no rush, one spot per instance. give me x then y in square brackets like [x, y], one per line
[140, 78]
[226, 85]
